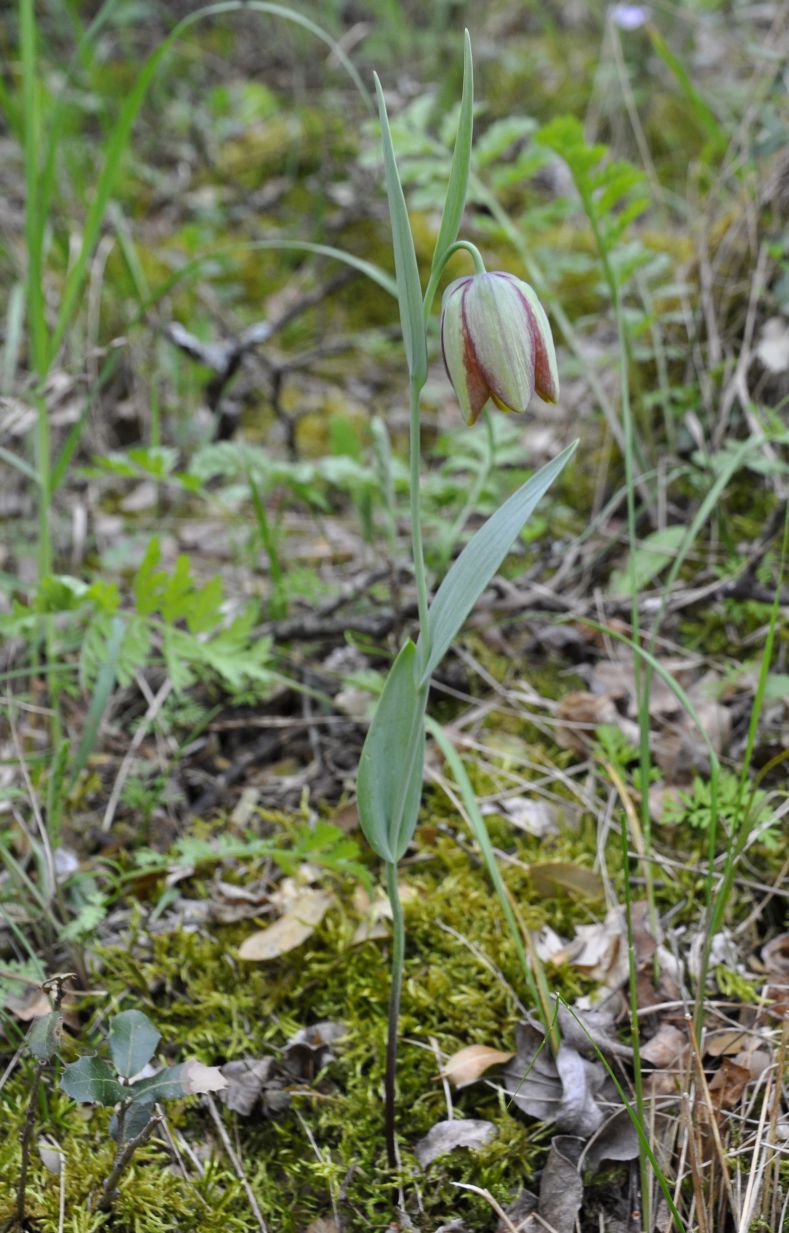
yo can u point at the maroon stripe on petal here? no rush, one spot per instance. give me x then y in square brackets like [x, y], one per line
[477, 384]
[544, 384]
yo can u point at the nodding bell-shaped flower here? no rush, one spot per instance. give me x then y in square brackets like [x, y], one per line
[497, 344]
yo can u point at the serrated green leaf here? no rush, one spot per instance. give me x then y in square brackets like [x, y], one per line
[42, 1039]
[203, 611]
[455, 200]
[135, 648]
[481, 558]
[132, 1040]
[90, 1081]
[409, 288]
[177, 588]
[149, 582]
[389, 785]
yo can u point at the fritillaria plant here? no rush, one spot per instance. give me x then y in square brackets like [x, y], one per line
[497, 347]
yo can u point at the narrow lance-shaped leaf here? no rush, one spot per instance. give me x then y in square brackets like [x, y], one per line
[90, 1081]
[455, 200]
[409, 288]
[481, 558]
[389, 785]
[133, 1040]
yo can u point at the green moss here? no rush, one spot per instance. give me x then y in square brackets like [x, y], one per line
[462, 986]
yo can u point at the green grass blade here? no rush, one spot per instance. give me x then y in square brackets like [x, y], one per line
[409, 288]
[14, 329]
[535, 979]
[118, 139]
[700, 109]
[638, 1126]
[102, 692]
[738, 838]
[481, 558]
[19, 464]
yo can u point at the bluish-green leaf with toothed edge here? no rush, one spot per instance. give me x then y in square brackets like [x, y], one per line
[480, 560]
[133, 1040]
[90, 1081]
[389, 786]
[409, 288]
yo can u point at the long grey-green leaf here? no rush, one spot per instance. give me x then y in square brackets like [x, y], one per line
[481, 558]
[389, 785]
[409, 288]
[455, 200]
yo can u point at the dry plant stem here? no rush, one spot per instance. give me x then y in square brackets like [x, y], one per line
[236, 1163]
[25, 1138]
[398, 952]
[109, 1190]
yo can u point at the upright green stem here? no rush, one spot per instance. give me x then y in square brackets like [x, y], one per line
[416, 522]
[398, 952]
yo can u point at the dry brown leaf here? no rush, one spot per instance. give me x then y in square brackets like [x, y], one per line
[552, 876]
[527, 813]
[665, 1047]
[728, 1084]
[305, 912]
[561, 1187]
[446, 1136]
[469, 1064]
[376, 912]
[323, 1224]
[727, 1041]
[51, 1155]
[579, 713]
[196, 1077]
[775, 955]
[245, 1080]
[600, 951]
[32, 1004]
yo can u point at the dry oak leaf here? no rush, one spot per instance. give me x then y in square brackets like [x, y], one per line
[446, 1136]
[469, 1064]
[665, 1047]
[305, 912]
[196, 1077]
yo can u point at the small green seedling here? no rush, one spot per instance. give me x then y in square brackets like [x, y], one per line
[95, 1080]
